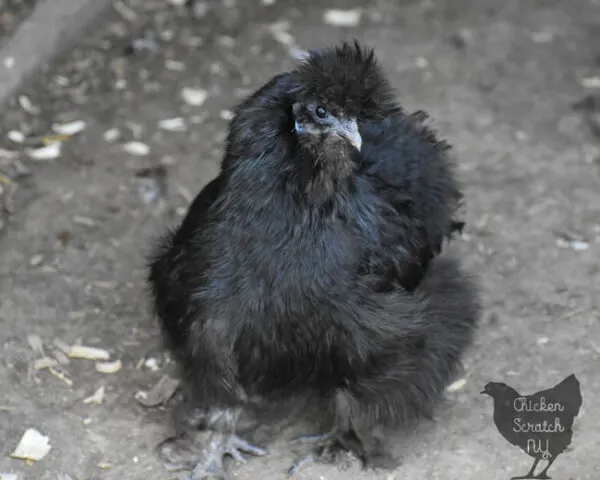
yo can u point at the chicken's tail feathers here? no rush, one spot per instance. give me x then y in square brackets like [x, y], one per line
[568, 393]
[570, 383]
[573, 385]
[451, 296]
[571, 380]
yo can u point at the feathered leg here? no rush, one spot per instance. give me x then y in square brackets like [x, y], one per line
[223, 442]
[349, 435]
[435, 325]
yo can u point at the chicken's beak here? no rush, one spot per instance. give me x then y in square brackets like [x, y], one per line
[349, 130]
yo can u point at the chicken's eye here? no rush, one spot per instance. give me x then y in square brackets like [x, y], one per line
[321, 112]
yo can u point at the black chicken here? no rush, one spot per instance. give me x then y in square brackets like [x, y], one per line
[540, 424]
[305, 267]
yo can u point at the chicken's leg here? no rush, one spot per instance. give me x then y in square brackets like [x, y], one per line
[326, 447]
[223, 442]
[528, 475]
[211, 466]
[543, 475]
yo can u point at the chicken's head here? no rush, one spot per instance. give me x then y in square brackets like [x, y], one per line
[336, 89]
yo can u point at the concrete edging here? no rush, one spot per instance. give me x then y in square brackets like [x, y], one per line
[51, 28]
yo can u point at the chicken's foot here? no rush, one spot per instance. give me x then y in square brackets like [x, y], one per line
[529, 475]
[221, 424]
[543, 475]
[327, 448]
[212, 467]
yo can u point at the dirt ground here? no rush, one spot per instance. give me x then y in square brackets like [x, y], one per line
[499, 80]
[12, 12]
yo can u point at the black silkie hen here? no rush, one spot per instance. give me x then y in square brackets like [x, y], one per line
[540, 424]
[305, 267]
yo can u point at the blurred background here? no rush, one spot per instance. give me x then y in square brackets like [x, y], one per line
[107, 137]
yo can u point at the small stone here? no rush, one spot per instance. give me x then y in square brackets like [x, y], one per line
[343, 18]
[422, 62]
[137, 148]
[456, 386]
[111, 135]
[36, 260]
[194, 96]
[226, 114]
[176, 124]
[16, 136]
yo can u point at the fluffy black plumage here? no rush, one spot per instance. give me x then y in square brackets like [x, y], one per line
[305, 266]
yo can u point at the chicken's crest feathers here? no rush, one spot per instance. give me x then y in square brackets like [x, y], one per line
[344, 79]
[347, 77]
[260, 120]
